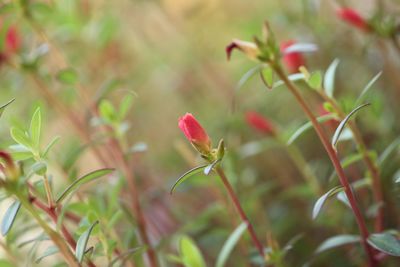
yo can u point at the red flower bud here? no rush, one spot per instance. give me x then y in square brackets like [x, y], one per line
[195, 133]
[260, 123]
[352, 17]
[292, 60]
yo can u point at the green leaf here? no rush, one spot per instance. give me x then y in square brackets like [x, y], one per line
[315, 80]
[250, 73]
[20, 137]
[48, 252]
[124, 255]
[308, 125]
[50, 145]
[107, 111]
[229, 244]
[211, 166]
[187, 175]
[386, 243]
[367, 87]
[67, 76]
[267, 76]
[301, 48]
[321, 201]
[190, 253]
[82, 242]
[39, 168]
[342, 124]
[292, 77]
[3, 107]
[125, 106]
[35, 127]
[83, 180]
[9, 217]
[389, 150]
[337, 241]
[5, 263]
[329, 79]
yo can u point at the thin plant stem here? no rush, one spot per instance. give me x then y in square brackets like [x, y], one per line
[54, 236]
[128, 173]
[369, 162]
[49, 194]
[335, 161]
[242, 214]
[302, 165]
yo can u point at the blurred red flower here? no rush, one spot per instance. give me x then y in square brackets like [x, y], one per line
[260, 123]
[292, 60]
[352, 17]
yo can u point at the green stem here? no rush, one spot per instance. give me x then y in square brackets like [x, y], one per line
[302, 165]
[335, 161]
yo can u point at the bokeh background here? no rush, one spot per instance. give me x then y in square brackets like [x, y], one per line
[170, 56]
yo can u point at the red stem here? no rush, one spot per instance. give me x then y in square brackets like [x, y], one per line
[336, 163]
[240, 210]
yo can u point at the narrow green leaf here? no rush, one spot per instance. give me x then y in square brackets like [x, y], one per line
[35, 127]
[321, 201]
[329, 79]
[308, 125]
[230, 243]
[50, 145]
[125, 106]
[389, 150]
[211, 166]
[190, 253]
[107, 111]
[124, 255]
[67, 76]
[292, 77]
[250, 73]
[367, 87]
[39, 168]
[315, 80]
[187, 175]
[48, 252]
[9, 217]
[20, 137]
[342, 124]
[83, 180]
[337, 241]
[82, 242]
[3, 107]
[267, 76]
[386, 243]
[301, 48]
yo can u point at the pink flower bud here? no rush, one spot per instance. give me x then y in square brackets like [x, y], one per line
[195, 133]
[292, 60]
[352, 17]
[260, 123]
[249, 49]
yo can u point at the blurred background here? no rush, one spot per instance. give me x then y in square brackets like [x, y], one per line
[169, 57]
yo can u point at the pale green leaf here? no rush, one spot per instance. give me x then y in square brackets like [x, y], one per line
[230, 243]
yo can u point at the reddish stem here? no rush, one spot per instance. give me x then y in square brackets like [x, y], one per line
[336, 163]
[241, 212]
